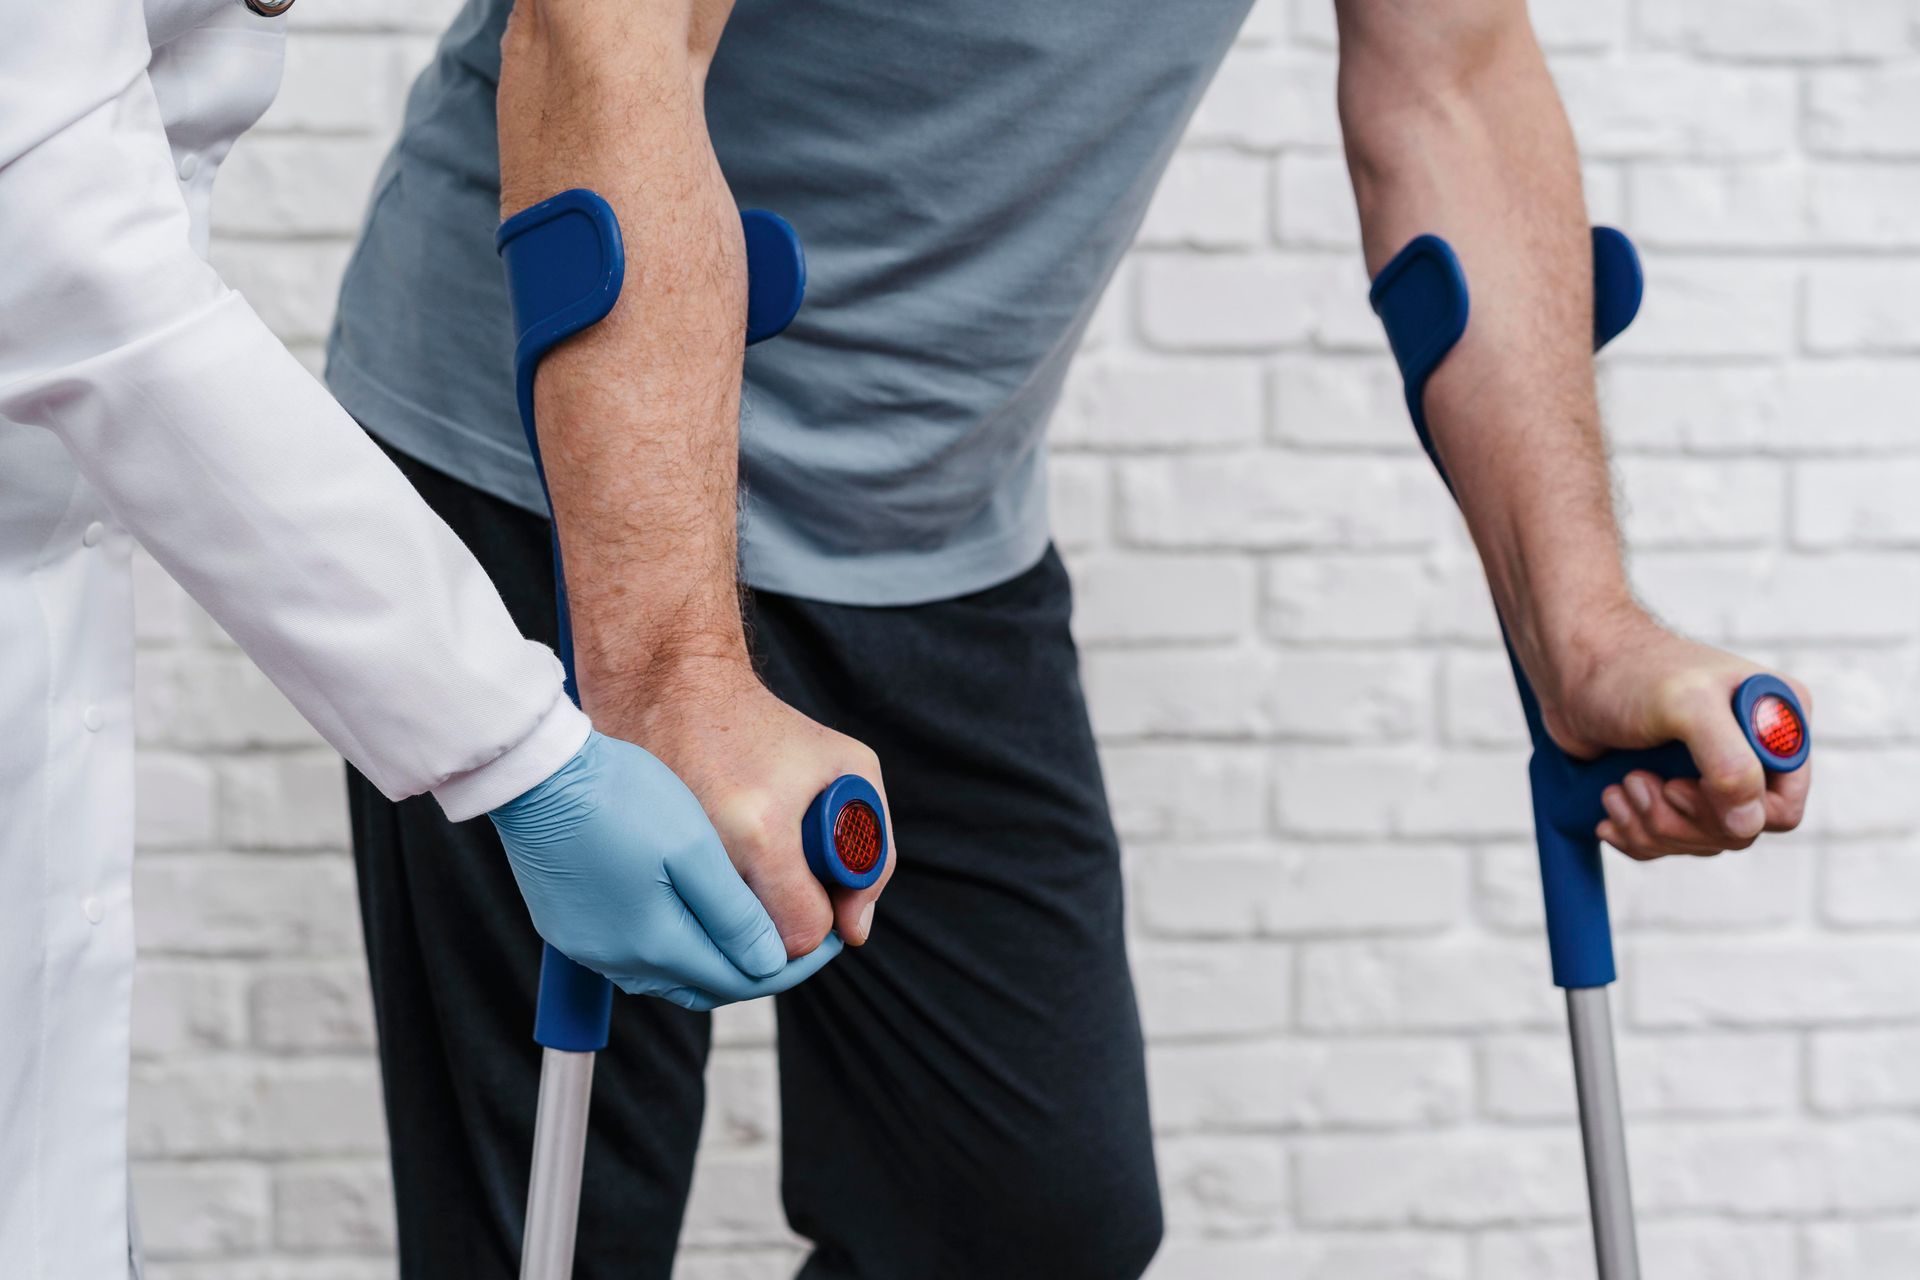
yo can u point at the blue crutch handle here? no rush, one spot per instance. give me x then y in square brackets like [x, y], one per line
[565, 263]
[1421, 297]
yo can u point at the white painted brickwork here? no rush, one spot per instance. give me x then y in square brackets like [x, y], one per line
[1357, 1059]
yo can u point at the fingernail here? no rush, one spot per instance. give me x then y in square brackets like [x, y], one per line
[1640, 793]
[1616, 807]
[866, 921]
[1747, 819]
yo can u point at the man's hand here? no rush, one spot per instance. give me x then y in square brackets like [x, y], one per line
[756, 764]
[623, 873]
[1639, 685]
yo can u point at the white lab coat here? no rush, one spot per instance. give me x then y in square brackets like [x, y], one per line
[139, 397]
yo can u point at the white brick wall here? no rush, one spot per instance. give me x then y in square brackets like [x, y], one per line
[1357, 1060]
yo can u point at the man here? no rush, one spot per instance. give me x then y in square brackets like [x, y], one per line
[969, 1100]
[138, 395]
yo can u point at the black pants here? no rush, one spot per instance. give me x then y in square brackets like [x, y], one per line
[963, 1097]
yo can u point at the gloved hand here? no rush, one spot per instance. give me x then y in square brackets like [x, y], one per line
[622, 872]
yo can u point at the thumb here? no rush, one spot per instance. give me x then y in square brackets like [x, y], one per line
[1731, 778]
[727, 909]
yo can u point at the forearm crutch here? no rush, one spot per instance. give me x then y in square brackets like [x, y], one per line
[565, 262]
[1421, 296]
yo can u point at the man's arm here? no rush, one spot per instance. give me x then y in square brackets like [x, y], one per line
[1453, 126]
[639, 433]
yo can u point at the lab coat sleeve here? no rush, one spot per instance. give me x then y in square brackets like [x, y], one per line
[249, 484]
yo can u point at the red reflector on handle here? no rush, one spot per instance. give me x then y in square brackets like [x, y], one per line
[1777, 727]
[856, 836]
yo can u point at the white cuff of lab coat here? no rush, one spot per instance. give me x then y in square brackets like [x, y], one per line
[535, 758]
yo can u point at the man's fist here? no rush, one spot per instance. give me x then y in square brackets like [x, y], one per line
[1647, 686]
[756, 764]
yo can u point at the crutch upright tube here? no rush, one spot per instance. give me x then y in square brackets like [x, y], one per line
[1422, 299]
[565, 263]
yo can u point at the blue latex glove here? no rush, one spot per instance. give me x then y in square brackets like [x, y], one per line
[623, 873]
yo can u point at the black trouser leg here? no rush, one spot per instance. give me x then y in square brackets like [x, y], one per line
[964, 1097]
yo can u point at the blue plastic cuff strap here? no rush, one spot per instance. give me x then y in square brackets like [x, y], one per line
[1422, 299]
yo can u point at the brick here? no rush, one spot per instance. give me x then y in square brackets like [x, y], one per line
[1195, 990]
[237, 905]
[1777, 29]
[343, 84]
[1686, 204]
[1236, 693]
[1771, 1169]
[1670, 502]
[1461, 1179]
[173, 801]
[1861, 1250]
[1776, 982]
[1325, 403]
[1270, 500]
[1291, 891]
[743, 1098]
[1334, 1256]
[1370, 599]
[201, 699]
[1223, 303]
[293, 285]
[1208, 200]
[1865, 1070]
[1133, 597]
[1221, 1185]
[1530, 1078]
[1872, 883]
[1078, 503]
[1670, 108]
[344, 1206]
[1863, 307]
[1313, 202]
[1765, 597]
[1355, 1084]
[1430, 985]
[1865, 694]
[1188, 791]
[296, 186]
[1695, 307]
[1161, 404]
[1863, 205]
[1362, 792]
[1862, 111]
[229, 1106]
[1263, 100]
[292, 801]
[736, 1199]
[1681, 1250]
[201, 1210]
[181, 1007]
[1856, 504]
[325, 1007]
[1478, 703]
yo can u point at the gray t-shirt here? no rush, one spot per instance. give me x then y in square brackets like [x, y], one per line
[965, 176]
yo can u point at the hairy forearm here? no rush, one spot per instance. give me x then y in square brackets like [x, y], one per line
[1453, 126]
[638, 416]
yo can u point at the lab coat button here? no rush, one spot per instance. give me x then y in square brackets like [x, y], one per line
[92, 718]
[94, 533]
[93, 910]
[189, 165]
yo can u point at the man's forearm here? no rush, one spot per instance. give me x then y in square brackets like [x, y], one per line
[639, 415]
[1453, 126]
